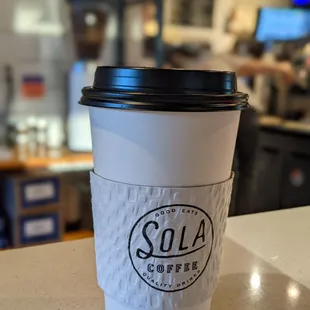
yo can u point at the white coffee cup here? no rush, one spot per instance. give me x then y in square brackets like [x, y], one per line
[164, 143]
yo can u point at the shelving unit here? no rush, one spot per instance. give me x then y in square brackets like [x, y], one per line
[176, 33]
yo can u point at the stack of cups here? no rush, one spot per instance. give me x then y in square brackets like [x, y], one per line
[163, 145]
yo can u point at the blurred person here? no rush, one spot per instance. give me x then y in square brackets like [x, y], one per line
[254, 77]
[248, 136]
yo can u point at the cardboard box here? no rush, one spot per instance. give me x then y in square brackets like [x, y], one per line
[41, 228]
[31, 193]
[33, 204]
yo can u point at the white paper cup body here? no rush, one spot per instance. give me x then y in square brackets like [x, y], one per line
[172, 149]
[165, 150]
[163, 146]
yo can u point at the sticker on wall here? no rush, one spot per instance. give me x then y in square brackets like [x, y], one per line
[33, 86]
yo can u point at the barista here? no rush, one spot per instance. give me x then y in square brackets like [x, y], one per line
[247, 140]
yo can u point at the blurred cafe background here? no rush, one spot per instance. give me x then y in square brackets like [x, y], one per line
[49, 50]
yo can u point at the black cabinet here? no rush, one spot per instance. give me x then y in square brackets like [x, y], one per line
[296, 181]
[283, 169]
[268, 179]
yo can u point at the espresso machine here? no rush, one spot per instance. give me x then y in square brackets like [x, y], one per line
[106, 33]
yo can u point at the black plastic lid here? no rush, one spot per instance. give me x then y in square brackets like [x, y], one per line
[164, 90]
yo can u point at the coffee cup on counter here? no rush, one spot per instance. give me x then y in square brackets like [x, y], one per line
[163, 146]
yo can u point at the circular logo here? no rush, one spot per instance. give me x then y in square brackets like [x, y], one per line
[170, 247]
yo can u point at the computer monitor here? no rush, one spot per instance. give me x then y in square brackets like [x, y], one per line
[282, 24]
[301, 3]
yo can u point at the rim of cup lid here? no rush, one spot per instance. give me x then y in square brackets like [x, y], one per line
[164, 90]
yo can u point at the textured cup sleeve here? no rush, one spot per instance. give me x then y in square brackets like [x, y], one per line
[159, 248]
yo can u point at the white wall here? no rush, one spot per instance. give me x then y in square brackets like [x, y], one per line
[216, 36]
[246, 8]
[247, 11]
[259, 3]
[33, 52]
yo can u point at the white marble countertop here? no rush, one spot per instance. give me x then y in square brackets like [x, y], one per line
[266, 267]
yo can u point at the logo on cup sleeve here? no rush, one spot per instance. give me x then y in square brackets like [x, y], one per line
[170, 247]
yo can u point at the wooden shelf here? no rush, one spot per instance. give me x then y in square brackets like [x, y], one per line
[23, 161]
[78, 235]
